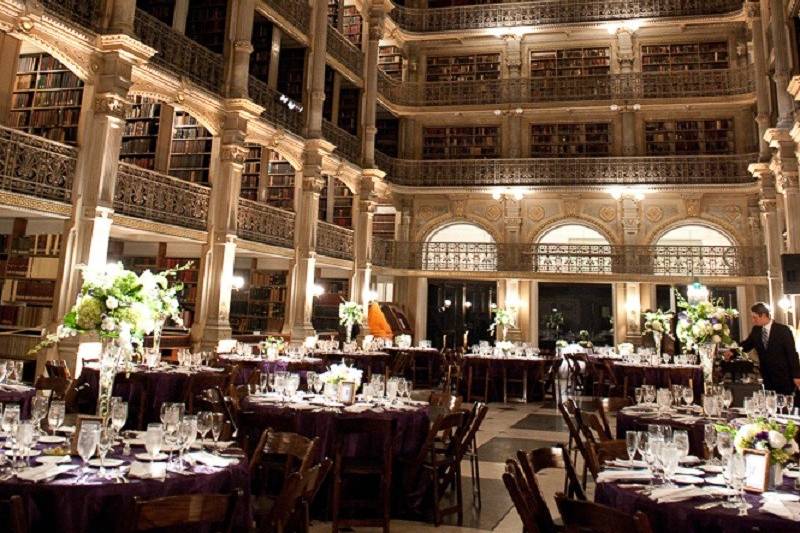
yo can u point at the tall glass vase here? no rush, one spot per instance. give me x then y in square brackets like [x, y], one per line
[348, 332]
[657, 338]
[159, 327]
[706, 352]
[111, 358]
[505, 333]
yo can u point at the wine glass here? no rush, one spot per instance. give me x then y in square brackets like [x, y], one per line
[187, 433]
[631, 443]
[638, 394]
[781, 400]
[55, 416]
[680, 437]
[217, 423]
[652, 451]
[38, 411]
[789, 403]
[25, 436]
[391, 390]
[402, 387]
[311, 378]
[105, 441]
[292, 384]
[771, 405]
[738, 472]
[153, 440]
[119, 416]
[710, 438]
[688, 395]
[203, 423]
[318, 384]
[87, 443]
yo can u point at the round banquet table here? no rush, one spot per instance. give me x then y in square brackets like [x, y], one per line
[683, 516]
[661, 376]
[632, 420]
[63, 506]
[163, 384]
[431, 357]
[18, 394]
[413, 422]
[475, 365]
[286, 364]
[369, 362]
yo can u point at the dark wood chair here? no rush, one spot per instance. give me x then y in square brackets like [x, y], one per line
[186, 510]
[295, 452]
[535, 461]
[469, 448]
[380, 432]
[576, 444]
[584, 516]
[478, 372]
[212, 399]
[56, 387]
[57, 368]
[600, 452]
[605, 406]
[315, 477]
[515, 485]
[549, 381]
[521, 381]
[12, 513]
[199, 383]
[422, 364]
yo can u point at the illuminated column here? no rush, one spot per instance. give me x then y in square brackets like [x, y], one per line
[362, 236]
[772, 237]
[508, 296]
[784, 167]
[761, 81]
[377, 10]
[316, 68]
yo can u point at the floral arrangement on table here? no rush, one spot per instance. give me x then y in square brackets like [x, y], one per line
[403, 341]
[765, 435]
[272, 346]
[704, 322]
[561, 343]
[657, 321]
[584, 339]
[503, 347]
[341, 373]
[503, 318]
[625, 348]
[554, 321]
[350, 313]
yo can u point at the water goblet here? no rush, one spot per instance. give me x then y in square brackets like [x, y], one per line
[204, 423]
[789, 403]
[781, 401]
[87, 443]
[391, 390]
[38, 411]
[105, 441]
[680, 437]
[688, 395]
[25, 438]
[154, 439]
[311, 377]
[119, 416]
[631, 443]
[55, 416]
[710, 438]
[217, 423]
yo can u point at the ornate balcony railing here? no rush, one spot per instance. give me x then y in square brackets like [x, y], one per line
[179, 54]
[35, 166]
[347, 144]
[158, 197]
[295, 11]
[667, 170]
[334, 241]
[345, 52]
[274, 110]
[571, 259]
[541, 12]
[266, 224]
[637, 85]
[84, 12]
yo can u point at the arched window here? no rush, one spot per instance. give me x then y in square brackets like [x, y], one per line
[460, 247]
[694, 249]
[572, 248]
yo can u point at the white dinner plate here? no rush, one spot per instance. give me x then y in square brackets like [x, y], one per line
[715, 480]
[711, 468]
[52, 439]
[53, 459]
[680, 478]
[29, 453]
[690, 460]
[781, 496]
[135, 442]
[688, 471]
[108, 462]
[148, 457]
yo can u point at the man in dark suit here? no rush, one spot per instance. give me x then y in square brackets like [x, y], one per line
[777, 355]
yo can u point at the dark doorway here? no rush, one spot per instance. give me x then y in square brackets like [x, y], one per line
[457, 307]
[567, 308]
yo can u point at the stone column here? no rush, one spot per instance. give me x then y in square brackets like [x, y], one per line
[86, 233]
[274, 58]
[238, 47]
[783, 67]
[784, 166]
[761, 80]
[377, 10]
[316, 68]
[533, 312]
[625, 58]
[212, 320]
[121, 17]
[179, 15]
[305, 237]
[362, 236]
[771, 234]
[508, 295]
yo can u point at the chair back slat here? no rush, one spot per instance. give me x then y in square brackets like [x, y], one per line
[12, 514]
[187, 510]
[580, 516]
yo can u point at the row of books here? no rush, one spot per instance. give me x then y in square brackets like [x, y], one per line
[48, 99]
[141, 128]
[138, 146]
[25, 315]
[32, 62]
[52, 118]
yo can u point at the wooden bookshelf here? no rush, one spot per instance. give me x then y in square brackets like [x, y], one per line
[191, 149]
[290, 72]
[261, 304]
[591, 139]
[280, 182]
[251, 173]
[140, 136]
[687, 56]
[349, 103]
[383, 225]
[461, 142]
[387, 139]
[570, 62]
[46, 100]
[161, 9]
[189, 278]
[336, 203]
[205, 23]
[327, 105]
[352, 25]
[690, 137]
[391, 61]
[262, 47]
[463, 67]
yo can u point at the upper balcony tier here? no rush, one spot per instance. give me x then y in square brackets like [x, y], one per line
[553, 12]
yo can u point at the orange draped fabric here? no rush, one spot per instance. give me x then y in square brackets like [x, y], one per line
[378, 326]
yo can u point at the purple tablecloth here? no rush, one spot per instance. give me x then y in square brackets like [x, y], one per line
[284, 364]
[627, 421]
[536, 366]
[682, 517]
[19, 394]
[61, 506]
[659, 376]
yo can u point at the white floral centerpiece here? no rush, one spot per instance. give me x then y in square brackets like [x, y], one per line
[770, 436]
[272, 347]
[504, 318]
[625, 348]
[341, 373]
[702, 327]
[503, 348]
[403, 341]
[350, 313]
[657, 323]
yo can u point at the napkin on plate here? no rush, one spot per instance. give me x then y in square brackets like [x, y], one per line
[787, 510]
[209, 459]
[676, 494]
[148, 470]
[625, 463]
[358, 408]
[44, 472]
[629, 475]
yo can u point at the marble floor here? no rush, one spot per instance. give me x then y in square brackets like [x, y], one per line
[506, 429]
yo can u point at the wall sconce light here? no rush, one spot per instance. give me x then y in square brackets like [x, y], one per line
[516, 194]
[696, 292]
[237, 282]
[467, 304]
[785, 303]
[448, 303]
[317, 291]
[291, 104]
[617, 192]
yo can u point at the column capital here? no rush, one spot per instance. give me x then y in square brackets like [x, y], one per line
[313, 184]
[244, 107]
[128, 48]
[233, 153]
[794, 87]
[111, 104]
[752, 10]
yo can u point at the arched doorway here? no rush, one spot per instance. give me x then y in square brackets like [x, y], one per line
[461, 247]
[572, 248]
[694, 249]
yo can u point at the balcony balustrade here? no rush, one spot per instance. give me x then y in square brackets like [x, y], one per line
[258, 222]
[161, 198]
[553, 172]
[347, 144]
[297, 12]
[345, 52]
[275, 111]
[730, 261]
[84, 12]
[35, 166]
[632, 86]
[179, 54]
[542, 12]
[334, 241]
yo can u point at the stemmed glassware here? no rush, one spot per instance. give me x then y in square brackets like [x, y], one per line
[187, 433]
[737, 473]
[217, 423]
[55, 416]
[688, 395]
[204, 423]
[153, 440]
[25, 439]
[119, 416]
[88, 437]
[105, 442]
[38, 411]
[632, 443]
[710, 438]
[725, 449]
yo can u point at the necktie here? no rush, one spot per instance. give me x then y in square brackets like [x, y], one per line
[764, 336]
